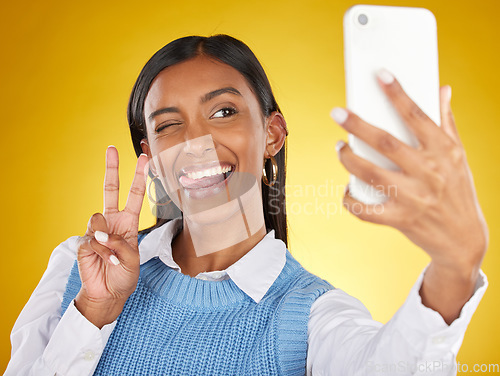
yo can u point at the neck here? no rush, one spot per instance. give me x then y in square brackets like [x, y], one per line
[186, 256]
[217, 238]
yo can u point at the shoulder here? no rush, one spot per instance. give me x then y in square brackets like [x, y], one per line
[300, 277]
[299, 284]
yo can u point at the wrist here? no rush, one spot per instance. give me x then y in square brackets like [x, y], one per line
[446, 289]
[99, 312]
[453, 273]
[460, 269]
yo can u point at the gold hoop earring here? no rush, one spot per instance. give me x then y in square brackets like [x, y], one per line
[275, 172]
[148, 189]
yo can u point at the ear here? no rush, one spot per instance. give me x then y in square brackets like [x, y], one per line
[145, 147]
[276, 132]
[147, 150]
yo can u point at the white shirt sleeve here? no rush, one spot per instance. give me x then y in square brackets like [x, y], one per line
[43, 342]
[343, 339]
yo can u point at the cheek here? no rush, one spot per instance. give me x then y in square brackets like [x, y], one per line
[248, 146]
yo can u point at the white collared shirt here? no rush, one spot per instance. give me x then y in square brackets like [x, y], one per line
[343, 339]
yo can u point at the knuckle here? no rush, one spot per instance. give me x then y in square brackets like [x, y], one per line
[456, 154]
[388, 143]
[375, 177]
[439, 183]
[110, 187]
[432, 165]
[95, 217]
[137, 191]
[430, 198]
[416, 113]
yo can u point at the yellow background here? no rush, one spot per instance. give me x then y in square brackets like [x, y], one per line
[67, 69]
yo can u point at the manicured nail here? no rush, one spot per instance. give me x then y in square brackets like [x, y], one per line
[339, 145]
[385, 76]
[101, 237]
[447, 92]
[339, 115]
[114, 260]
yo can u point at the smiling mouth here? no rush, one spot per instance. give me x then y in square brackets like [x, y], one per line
[206, 176]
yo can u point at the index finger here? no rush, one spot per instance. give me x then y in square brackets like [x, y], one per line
[111, 181]
[417, 120]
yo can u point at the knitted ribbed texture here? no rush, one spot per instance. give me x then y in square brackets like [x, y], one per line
[174, 324]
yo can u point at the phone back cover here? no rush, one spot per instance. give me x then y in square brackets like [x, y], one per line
[404, 41]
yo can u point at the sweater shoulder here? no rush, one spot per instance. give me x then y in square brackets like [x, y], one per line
[295, 277]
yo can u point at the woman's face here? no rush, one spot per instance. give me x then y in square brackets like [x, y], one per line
[205, 128]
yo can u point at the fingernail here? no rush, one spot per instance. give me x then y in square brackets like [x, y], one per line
[143, 154]
[101, 237]
[339, 145]
[339, 115]
[447, 92]
[114, 260]
[111, 146]
[385, 76]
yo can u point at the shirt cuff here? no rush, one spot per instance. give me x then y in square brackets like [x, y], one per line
[76, 345]
[426, 329]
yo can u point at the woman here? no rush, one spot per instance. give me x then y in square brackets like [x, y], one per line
[215, 291]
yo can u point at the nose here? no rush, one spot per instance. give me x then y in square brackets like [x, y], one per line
[198, 147]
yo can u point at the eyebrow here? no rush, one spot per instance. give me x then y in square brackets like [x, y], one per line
[213, 94]
[207, 97]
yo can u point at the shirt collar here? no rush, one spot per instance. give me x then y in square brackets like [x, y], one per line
[254, 273]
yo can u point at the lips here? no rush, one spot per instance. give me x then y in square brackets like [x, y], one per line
[204, 182]
[205, 176]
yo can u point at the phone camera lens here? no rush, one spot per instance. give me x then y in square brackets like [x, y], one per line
[363, 19]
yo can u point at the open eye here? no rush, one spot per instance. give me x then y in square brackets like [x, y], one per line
[224, 112]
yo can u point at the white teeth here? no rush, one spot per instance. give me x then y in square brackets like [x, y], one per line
[208, 172]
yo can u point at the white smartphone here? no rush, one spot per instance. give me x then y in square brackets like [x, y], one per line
[404, 41]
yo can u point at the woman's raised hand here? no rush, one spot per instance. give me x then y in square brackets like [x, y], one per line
[435, 203]
[108, 254]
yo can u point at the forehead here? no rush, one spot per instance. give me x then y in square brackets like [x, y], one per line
[193, 78]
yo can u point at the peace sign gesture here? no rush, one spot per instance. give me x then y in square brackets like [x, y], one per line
[108, 254]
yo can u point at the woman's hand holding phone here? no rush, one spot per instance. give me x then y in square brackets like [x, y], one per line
[432, 199]
[108, 254]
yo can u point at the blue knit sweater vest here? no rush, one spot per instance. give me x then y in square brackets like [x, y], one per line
[174, 324]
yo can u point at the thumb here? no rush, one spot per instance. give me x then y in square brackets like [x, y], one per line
[96, 223]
